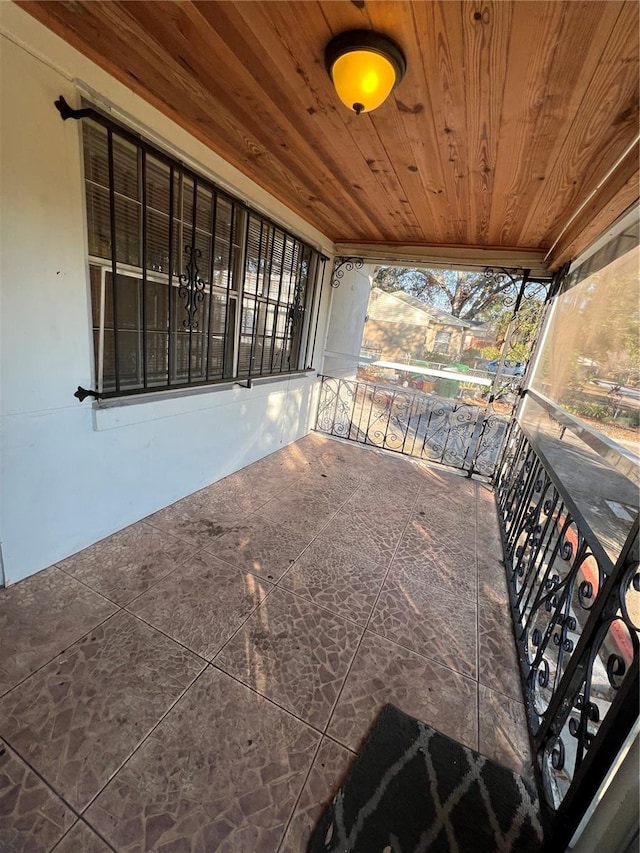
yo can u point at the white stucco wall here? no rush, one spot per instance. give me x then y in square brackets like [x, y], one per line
[70, 474]
[349, 304]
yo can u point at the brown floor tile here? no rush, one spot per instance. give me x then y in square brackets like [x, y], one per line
[489, 540]
[503, 732]
[221, 773]
[198, 519]
[260, 547]
[430, 560]
[391, 472]
[32, 818]
[41, 616]
[127, 563]
[384, 672]
[294, 653]
[428, 620]
[80, 716]
[203, 604]
[245, 491]
[498, 663]
[369, 534]
[81, 839]
[300, 512]
[453, 530]
[337, 579]
[327, 774]
[492, 582]
[443, 485]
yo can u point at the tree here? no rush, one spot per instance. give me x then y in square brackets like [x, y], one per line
[467, 295]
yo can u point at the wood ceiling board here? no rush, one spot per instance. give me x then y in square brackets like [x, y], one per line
[438, 28]
[604, 123]
[486, 33]
[496, 96]
[312, 99]
[253, 104]
[410, 217]
[559, 90]
[409, 134]
[105, 32]
[603, 209]
[524, 140]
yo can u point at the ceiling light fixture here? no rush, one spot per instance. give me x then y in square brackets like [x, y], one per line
[365, 67]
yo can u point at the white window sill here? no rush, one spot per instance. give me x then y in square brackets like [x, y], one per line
[116, 412]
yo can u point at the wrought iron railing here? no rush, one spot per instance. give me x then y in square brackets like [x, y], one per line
[453, 432]
[577, 621]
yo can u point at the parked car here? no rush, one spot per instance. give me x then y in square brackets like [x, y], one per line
[511, 368]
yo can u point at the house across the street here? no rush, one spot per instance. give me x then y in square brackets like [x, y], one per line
[400, 325]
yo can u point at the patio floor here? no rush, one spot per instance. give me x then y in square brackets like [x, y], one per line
[201, 680]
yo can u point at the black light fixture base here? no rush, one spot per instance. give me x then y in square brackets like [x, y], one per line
[365, 40]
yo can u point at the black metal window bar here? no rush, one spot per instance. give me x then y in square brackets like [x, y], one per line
[576, 620]
[189, 286]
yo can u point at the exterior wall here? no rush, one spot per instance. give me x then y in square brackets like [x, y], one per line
[396, 328]
[71, 473]
[395, 340]
[346, 324]
[388, 308]
[455, 342]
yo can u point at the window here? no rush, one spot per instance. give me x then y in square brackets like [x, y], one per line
[441, 342]
[188, 285]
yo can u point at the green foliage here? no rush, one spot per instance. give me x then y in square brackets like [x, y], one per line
[622, 415]
[490, 353]
[469, 356]
[597, 411]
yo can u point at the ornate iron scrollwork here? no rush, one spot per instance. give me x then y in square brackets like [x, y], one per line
[573, 610]
[409, 422]
[191, 287]
[342, 265]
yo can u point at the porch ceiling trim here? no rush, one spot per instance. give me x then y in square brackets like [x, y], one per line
[458, 257]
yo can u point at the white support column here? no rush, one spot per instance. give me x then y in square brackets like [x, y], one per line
[346, 323]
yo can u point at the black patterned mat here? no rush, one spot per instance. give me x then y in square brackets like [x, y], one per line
[414, 790]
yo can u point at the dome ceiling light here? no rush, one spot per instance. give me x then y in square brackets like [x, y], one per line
[365, 67]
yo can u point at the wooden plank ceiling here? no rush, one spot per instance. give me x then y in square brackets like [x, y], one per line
[508, 119]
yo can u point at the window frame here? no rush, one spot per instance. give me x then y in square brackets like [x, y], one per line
[439, 346]
[301, 307]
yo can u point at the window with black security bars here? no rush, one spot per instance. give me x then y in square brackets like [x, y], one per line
[189, 286]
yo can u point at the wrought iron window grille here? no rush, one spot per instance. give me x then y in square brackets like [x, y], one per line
[190, 286]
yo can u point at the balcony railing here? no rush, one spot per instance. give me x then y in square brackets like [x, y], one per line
[453, 432]
[576, 617]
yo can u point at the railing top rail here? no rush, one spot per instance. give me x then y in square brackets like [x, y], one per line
[622, 459]
[604, 560]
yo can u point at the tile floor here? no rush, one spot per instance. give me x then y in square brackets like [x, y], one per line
[200, 681]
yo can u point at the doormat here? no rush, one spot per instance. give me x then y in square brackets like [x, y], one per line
[414, 790]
